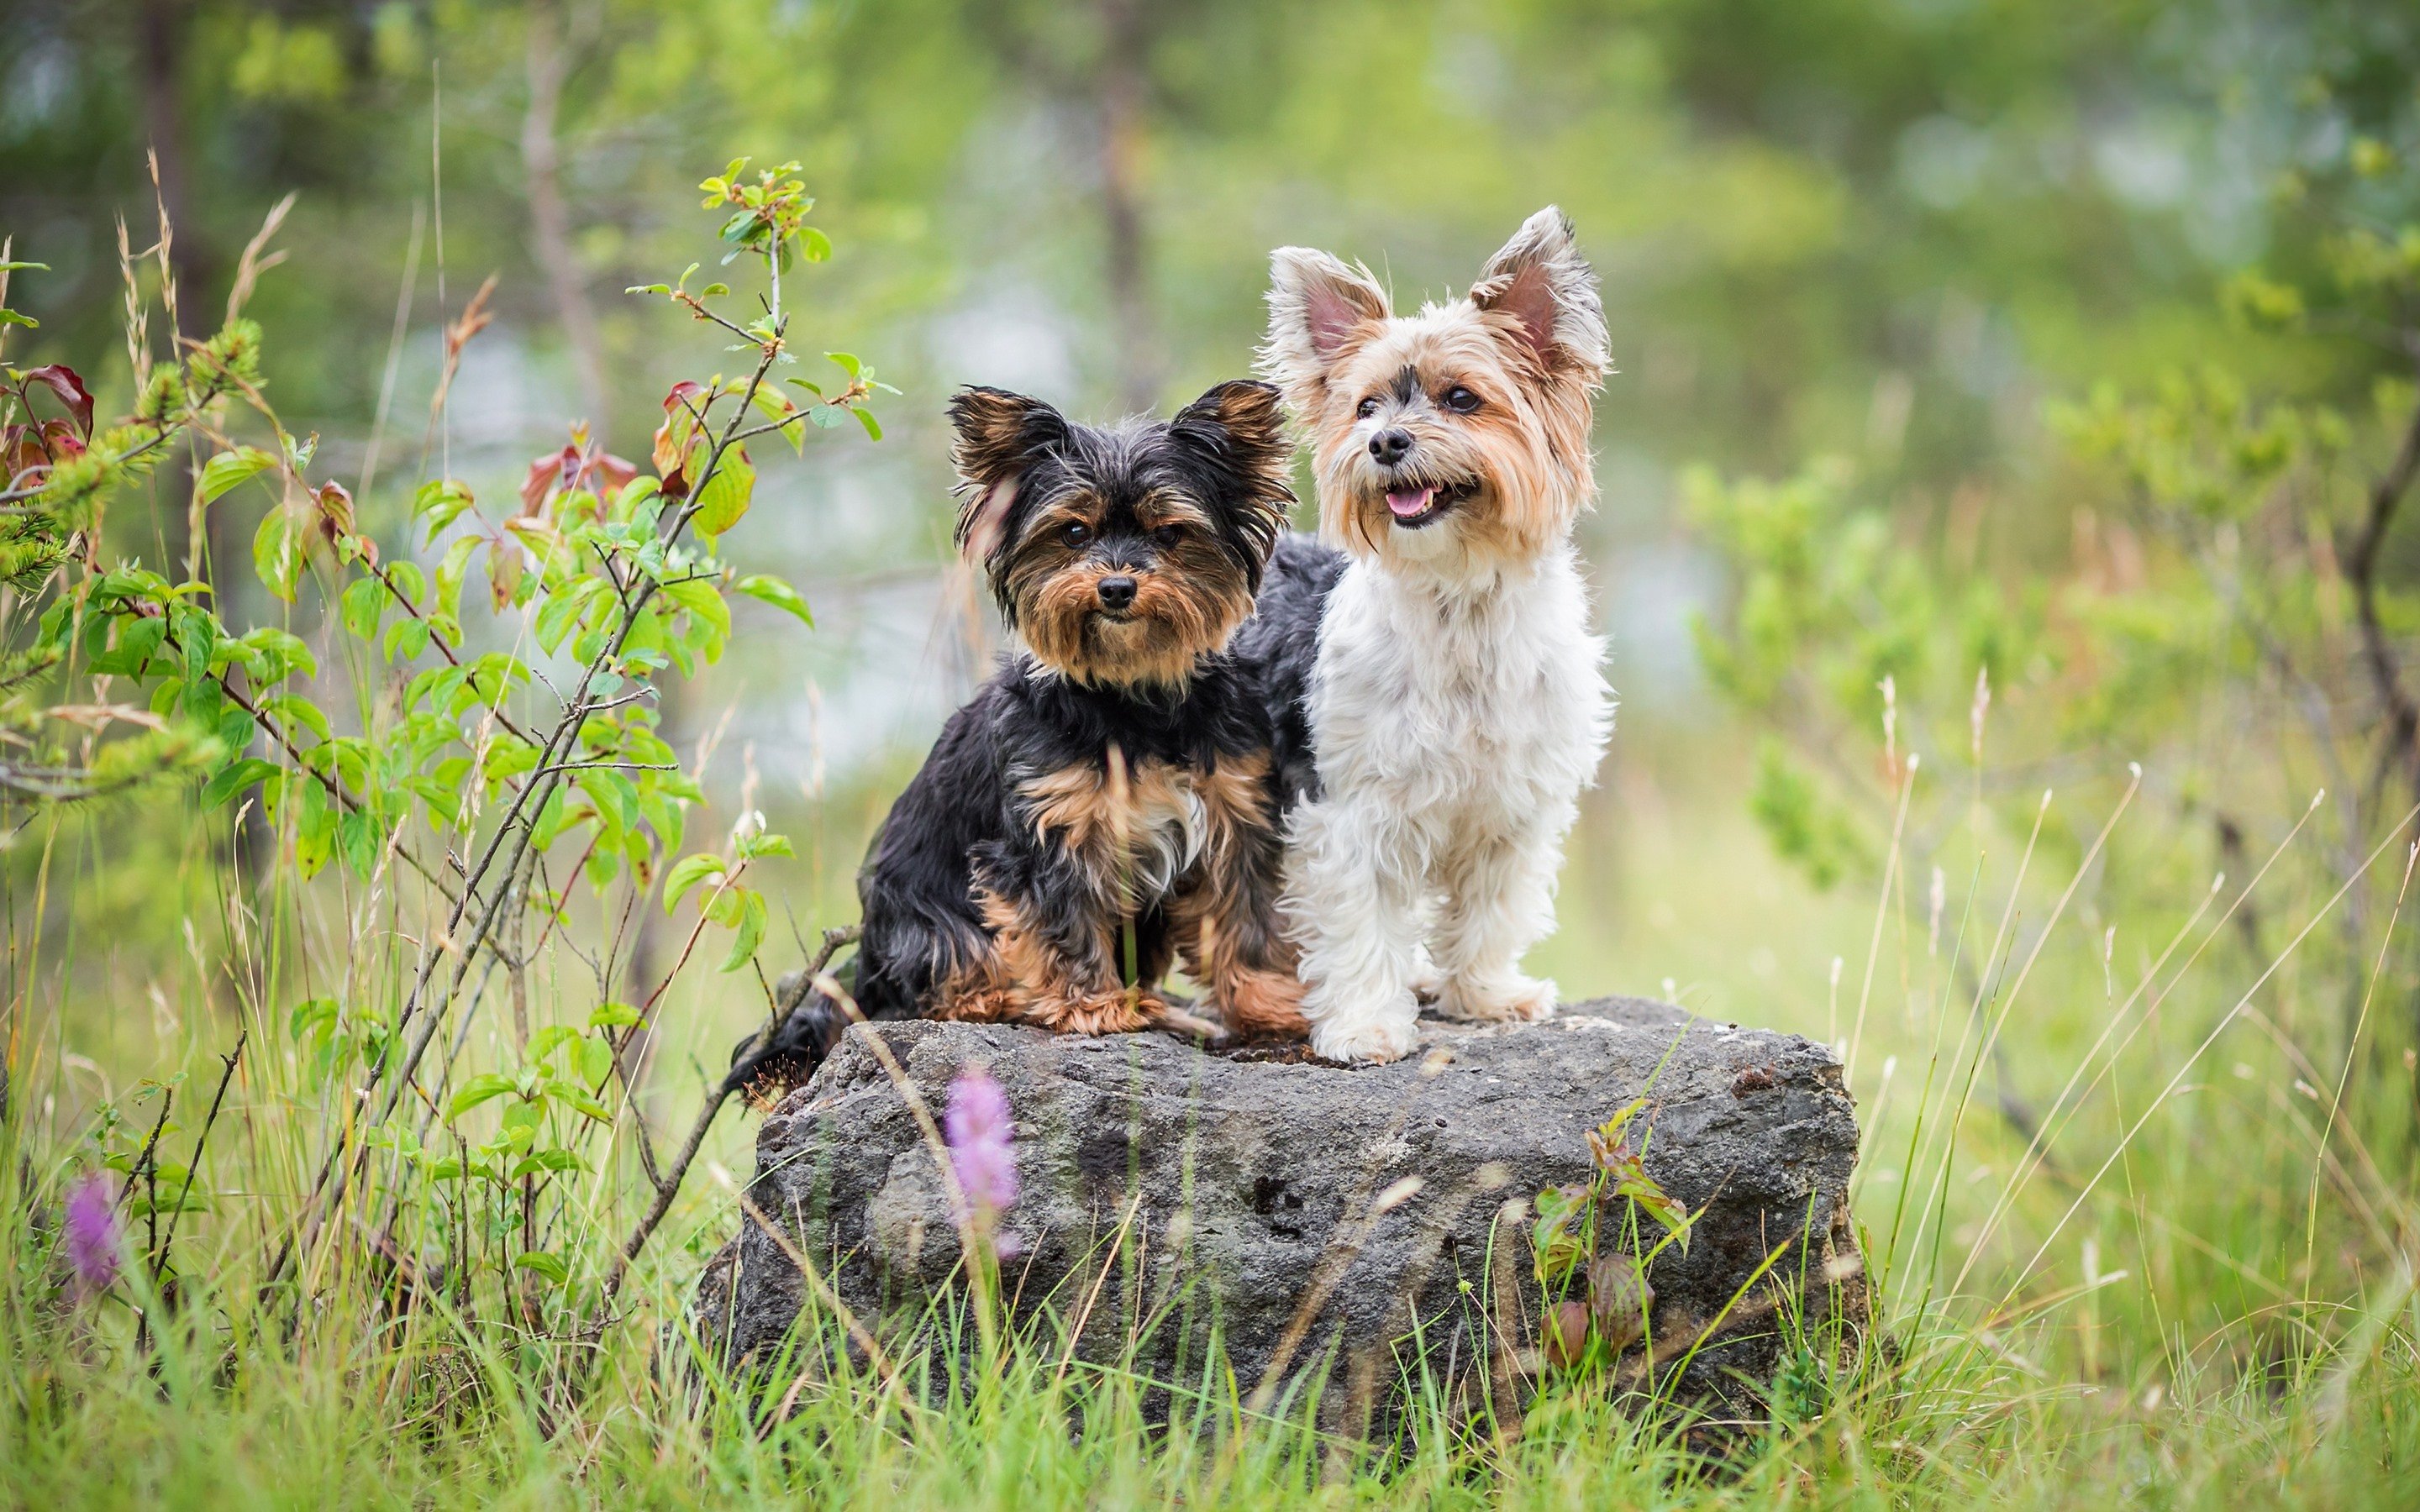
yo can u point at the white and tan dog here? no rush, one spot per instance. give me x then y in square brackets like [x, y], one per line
[1454, 703]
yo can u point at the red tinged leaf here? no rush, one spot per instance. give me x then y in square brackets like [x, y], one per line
[334, 509]
[609, 473]
[677, 436]
[575, 467]
[1565, 1329]
[62, 381]
[549, 476]
[61, 440]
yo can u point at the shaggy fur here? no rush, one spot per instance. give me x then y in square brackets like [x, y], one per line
[1108, 803]
[1453, 701]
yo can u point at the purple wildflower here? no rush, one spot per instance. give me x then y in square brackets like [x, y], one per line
[93, 1239]
[981, 1153]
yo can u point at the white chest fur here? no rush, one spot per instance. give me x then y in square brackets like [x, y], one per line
[1454, 729]
[1450, 705]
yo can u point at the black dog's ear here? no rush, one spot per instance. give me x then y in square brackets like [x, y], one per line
[1236, 432]
[1000, 436]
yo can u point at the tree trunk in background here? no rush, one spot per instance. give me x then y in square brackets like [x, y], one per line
[163, 49]
[164, 28]
[549, 220]
[1120, 94]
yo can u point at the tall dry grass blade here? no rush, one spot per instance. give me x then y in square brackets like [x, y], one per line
[403, 297]
[256, 259]
[857, 1332]
[2225, 1020]
[1882, 913]
[2353, 1053]
[162, 251]
[2069, 1101]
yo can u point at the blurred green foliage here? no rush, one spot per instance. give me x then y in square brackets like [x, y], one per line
[1817, 221]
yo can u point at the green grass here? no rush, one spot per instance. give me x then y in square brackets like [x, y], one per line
[2177, 1295]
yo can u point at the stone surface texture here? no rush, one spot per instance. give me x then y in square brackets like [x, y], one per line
[1338, 1224]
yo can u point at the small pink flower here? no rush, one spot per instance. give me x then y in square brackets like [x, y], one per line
[94, 1241]
[982, 1154]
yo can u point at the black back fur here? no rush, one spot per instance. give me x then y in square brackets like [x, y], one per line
[1193, 508]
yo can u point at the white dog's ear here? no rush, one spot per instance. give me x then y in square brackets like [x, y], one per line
[1319, 311]
[1542, 282]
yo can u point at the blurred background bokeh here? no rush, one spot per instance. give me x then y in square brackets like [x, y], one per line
[1875, 246]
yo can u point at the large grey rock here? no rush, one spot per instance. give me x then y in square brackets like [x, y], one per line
[1266, 1190]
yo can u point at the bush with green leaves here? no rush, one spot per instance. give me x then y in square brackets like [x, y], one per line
[461, 724]
[2210, 586]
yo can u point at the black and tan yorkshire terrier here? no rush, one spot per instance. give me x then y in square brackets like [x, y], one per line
[1107, 803]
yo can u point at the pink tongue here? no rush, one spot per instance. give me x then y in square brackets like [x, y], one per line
[1408, 504]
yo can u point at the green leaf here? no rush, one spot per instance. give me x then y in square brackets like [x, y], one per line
[815, 244]
[296, 712]
[865, 418]
[564, 608]
[243, 773]
[287, 652]
[277, 553]
[766, 588]
[725, 497]
[613, 1016]
[358, 836]
[700, 597]
[752, 928]
[225, 471]
[364, 604]
[312, 1017]
[406, 640]
[578, 1099]
[549, 1266]
[849, 364]
[547, 1041]
[686, 874]
[596, 1060]
[407, 581]
[485, 1087]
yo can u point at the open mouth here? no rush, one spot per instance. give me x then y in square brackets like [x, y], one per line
[1421, 505]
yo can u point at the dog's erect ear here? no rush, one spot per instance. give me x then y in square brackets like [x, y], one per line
[1540, 279]
[1001, 436]
[1237, 432]
[1319, 310]
[1239, 429]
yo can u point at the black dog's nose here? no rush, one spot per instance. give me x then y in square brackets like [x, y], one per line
[1116, 593]
[1388, 446]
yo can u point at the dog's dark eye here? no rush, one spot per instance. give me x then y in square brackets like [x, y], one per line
[1075, 534]
[1369, 407]
[1168, 535]
[1461, 400]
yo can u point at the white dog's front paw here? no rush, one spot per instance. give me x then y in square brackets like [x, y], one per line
[1514, 1000]
[1377, 1035]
